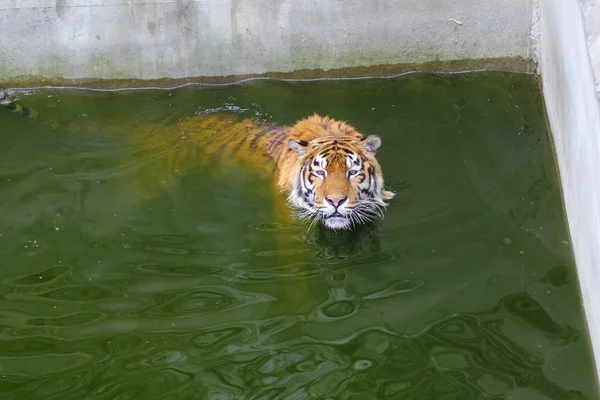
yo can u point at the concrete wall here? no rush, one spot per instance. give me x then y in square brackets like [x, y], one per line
[568, 51]
[152, 39]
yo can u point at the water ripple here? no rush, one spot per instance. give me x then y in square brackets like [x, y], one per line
[529, 312]
[339, 305]
[69, 320]
[304, 270]
[175, 269]
[271, 227]
[46, 276]
[204, 300]
[40, 365]
[215, 338]
[459, 357]
[77, 293]
[403, 286]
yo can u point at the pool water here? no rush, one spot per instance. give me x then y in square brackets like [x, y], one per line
[126, 275]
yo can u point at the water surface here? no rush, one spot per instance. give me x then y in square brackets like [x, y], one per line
[122, 279]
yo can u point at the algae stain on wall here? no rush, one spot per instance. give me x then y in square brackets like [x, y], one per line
[54, 67]
[212, 38]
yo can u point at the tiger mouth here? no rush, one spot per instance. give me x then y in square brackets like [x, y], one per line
[335, 215]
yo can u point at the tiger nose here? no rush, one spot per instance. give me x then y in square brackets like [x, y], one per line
[336, 200]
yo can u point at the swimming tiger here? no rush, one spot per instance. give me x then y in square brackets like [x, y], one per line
[327, 169]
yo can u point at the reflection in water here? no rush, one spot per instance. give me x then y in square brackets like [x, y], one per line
[331, 244]
[125, 279]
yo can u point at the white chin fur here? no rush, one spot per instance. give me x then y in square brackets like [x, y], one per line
[337, 223]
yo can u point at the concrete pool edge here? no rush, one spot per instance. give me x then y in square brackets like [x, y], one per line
[505, 64]
[565, 44]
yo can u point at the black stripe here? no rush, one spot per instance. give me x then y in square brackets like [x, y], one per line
[239, 145]
[373, 182]
[220, 152]
[259, 135]
[302, 172]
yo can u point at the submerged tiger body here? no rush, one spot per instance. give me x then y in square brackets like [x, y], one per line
[327, 169]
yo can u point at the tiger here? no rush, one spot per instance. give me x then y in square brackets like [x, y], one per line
[327, 169]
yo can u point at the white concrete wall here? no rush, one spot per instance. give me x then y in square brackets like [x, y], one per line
[568, 49]
[150, 39]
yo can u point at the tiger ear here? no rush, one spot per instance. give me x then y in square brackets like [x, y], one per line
[371, 143]
[299, 146]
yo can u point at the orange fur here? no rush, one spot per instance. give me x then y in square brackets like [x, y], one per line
[308, 129]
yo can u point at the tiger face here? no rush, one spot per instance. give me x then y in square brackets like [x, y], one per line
[338, 181]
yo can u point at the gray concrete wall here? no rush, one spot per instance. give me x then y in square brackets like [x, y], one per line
[153, 39]
[568, 49]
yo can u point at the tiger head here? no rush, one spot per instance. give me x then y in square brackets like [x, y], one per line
[336, 178]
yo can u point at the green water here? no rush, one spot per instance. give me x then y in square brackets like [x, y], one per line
[115, 286]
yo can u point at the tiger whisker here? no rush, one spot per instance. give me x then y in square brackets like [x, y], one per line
[353, 220]
[366, 212]
[373, 207]
[360, 216]
[314, 220]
